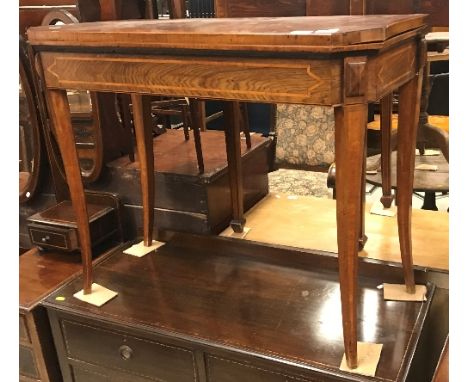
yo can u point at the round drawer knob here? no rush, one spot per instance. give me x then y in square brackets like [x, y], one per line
[45, 239]
[125, 352]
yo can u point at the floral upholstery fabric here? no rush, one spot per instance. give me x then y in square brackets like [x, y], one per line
[305, 135]
[299, 182]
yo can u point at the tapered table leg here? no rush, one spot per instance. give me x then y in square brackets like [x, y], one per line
[362, 232]
[408, 115]
[232, 117]
[60, 115]
[386, 104]
[144, 140]
[197, 122]
[350, 125]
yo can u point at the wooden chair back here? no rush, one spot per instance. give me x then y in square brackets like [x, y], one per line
[260, 8]
[436, 9]
[288, 8]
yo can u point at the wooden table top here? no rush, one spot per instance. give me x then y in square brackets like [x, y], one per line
[307, 34]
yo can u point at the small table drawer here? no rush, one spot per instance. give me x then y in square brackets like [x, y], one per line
[119, 351]
[53, 237]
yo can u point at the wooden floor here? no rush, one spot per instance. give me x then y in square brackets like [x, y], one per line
[309, 222]
[440, 121]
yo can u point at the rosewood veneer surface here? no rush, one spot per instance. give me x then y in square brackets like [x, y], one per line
[273, 311]
[320, 33]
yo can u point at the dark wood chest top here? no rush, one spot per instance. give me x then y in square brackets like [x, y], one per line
[232, 302]
[308, 34]
[174, 156]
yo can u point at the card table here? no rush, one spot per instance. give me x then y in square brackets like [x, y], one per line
[339, 61]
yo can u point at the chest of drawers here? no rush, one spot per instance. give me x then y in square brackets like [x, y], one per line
[213, 309]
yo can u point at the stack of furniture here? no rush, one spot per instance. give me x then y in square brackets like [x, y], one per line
[318, 85]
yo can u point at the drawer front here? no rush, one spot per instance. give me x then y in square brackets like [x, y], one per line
[119, 351]
[52, 237]
[27, 362]
[227, 370]
[84, 375]
[23, 330]
[89, 373]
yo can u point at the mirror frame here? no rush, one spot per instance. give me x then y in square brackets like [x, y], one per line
[92, 174]
[27, 85]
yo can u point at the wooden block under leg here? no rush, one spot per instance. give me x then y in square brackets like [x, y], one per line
[397, 292]
[378, 209]
[99, 295]
[140, 249]
[238, 235]
[368, 356]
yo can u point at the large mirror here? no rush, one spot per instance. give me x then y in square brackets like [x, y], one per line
[29, 134]
[85, 119]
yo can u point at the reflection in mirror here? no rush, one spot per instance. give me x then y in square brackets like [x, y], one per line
[87, 135]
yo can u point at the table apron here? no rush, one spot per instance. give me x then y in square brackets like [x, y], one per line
[392, 68]
[257, 80]
[301, 81]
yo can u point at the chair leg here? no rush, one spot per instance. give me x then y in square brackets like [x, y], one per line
[429, 201]
[386, 104]
[186, 121]
[245, 124]
[196, 119]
